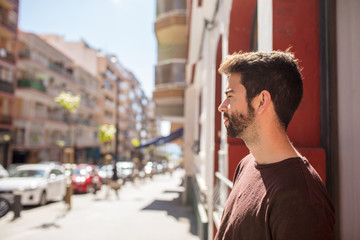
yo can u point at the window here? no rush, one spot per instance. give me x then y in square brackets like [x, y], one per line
[6, 75]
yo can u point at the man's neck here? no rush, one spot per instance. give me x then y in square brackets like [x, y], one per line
[272, 148]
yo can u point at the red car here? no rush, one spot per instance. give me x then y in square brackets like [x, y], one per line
[85, 178]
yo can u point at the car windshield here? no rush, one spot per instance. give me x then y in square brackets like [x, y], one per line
[29, 173]
[79, 171]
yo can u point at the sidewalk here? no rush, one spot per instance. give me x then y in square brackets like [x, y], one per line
[150, 209]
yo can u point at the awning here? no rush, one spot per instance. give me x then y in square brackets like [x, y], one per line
[162, 140]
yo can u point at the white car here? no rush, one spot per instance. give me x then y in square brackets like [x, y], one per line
[37, 183]
[3, 172]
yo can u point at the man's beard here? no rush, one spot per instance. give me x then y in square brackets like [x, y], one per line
[238, 123]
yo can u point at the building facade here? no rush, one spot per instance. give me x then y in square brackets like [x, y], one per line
[171, 33]
[122, 101]
[323, 36]
[42, 127]
[8, 47]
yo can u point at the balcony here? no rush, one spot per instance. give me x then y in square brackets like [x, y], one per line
[60, 69]
[171, 29]
[170, 74]
[6, 86]
[166, 7]
[6, 55]
[9, 3]
[169, 90]
[43, 61]
[171, 51]
[5, 119]
[35, 84]
[8, 25]
[59, 117]
[25, 54]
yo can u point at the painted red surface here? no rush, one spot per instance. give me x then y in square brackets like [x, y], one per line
[218, 93]
[316, 157]
[241, 20]
[295, 24]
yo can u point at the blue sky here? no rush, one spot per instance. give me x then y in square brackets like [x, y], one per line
[121, 27]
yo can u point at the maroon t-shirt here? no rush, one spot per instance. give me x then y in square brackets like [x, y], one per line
[281, 201]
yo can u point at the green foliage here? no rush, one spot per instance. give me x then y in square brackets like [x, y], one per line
[135, 142]
[106, 132]
[68, 101]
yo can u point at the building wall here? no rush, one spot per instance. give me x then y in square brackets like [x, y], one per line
[80, 52]
[208, 44]
[41, 124]
[348, 72]
[8, 49]
[294, 24]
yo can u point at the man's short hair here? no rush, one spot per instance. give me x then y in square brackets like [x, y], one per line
[276, 71]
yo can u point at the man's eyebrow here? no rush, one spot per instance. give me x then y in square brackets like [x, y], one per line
[227, 91]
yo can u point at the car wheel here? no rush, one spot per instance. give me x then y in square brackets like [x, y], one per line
[42, 201]
[89, 188]
[4, 207]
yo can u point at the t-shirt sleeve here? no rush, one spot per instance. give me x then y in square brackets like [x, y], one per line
[303, 221]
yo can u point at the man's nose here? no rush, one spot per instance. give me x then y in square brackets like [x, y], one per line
[223, 106]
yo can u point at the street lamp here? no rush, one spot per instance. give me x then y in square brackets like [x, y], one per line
[115, 176]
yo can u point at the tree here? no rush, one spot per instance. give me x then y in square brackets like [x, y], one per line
[106, 133]
[70, 103]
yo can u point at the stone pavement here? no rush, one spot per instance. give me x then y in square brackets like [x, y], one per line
[149, 209]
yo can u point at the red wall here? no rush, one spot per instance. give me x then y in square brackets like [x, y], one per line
[218, 93]
[295, 24]
[241, 18]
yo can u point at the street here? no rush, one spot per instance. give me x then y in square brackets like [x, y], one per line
[147, 209]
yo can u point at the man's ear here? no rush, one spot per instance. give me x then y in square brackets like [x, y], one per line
[263, 101]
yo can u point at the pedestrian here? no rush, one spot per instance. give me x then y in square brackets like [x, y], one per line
[276, 194]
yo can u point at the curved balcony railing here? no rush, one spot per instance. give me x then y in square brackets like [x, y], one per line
[164, 7]
[170, 73]
[171, 51]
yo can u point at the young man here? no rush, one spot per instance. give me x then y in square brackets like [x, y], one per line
[276, 193]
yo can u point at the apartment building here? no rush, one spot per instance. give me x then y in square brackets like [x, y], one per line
[109, 86]
[8, 43]
[42, 127]
[324, 37]
[123, 92]
[171, 33]
[121, 100]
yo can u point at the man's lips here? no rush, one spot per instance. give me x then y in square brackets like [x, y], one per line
[225, 120]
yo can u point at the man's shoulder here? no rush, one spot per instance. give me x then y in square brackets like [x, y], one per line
[243, 162]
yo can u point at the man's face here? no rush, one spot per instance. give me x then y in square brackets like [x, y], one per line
[238, 115]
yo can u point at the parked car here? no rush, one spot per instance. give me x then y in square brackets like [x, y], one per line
[36, 183]
[3, 172]
[5, 205]
[124, 169]
[85, 178]
[149, 170]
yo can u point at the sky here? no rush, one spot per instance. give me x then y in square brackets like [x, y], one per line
[121, 27]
